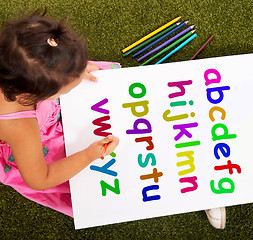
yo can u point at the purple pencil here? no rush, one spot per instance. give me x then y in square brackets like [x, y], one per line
[166, 43]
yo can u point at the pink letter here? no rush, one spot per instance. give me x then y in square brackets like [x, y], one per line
[191, 180]
[210, 81]
[180, 85]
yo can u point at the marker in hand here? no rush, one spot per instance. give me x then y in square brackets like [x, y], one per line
[104, 150]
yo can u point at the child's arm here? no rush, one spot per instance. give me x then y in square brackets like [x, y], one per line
[23, 136]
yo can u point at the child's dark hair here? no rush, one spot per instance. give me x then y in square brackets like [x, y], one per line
[29, 65]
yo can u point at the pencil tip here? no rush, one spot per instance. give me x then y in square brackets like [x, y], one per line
[178, 18]
[187, 21]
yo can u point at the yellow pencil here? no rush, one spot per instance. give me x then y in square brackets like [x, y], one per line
[151, 34]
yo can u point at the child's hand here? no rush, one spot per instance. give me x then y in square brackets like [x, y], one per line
[90, 68]
[95, 150]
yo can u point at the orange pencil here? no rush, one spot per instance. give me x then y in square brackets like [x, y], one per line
[151, 34]
[104, 150]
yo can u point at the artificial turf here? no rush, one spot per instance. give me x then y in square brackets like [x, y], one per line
[111, 25]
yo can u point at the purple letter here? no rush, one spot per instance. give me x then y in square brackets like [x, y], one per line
[96, 107]
[183, 131]
[136, 130]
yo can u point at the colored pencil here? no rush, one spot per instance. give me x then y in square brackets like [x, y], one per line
[169, 47]
[166, 43]
[177, 48]
[151, 34]
[151, 39]
[160, 39]
[205, 44]
[104, 150]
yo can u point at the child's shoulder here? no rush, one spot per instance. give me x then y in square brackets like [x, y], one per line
[8, 125]
[16, 130]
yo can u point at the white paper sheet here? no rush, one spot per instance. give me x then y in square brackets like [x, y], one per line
[185, 182]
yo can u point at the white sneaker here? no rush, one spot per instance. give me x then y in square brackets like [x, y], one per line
[217, 217]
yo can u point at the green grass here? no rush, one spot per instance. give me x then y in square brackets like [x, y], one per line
[110, 27]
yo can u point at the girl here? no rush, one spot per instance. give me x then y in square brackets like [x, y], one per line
[40, 59]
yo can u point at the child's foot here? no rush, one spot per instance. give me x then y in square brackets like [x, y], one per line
[217, 217]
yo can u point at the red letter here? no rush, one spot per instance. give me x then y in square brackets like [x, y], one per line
[103, 126]
[229, 166]
[146, 139]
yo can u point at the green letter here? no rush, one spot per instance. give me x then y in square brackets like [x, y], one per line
[137, 95]
[105, 186]
[145, 163]
[225, 134]
[222, 189]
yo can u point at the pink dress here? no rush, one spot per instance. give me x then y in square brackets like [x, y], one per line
[49, 119]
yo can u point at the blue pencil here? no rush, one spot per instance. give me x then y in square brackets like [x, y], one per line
[160, 39]
[166, 43]
[177, 48]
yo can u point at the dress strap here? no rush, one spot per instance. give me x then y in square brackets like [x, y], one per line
[17, 115]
